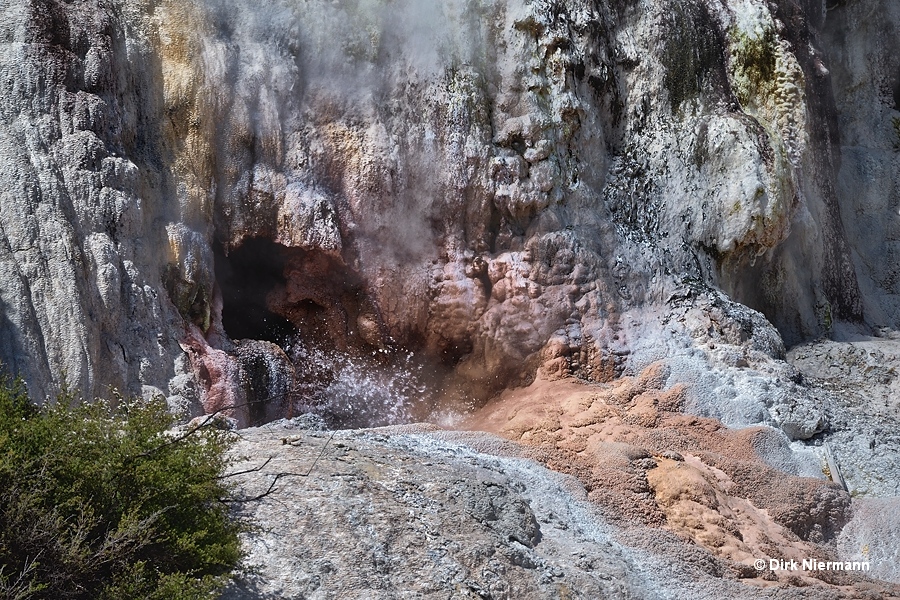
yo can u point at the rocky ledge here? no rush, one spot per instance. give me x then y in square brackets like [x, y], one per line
[592, 492]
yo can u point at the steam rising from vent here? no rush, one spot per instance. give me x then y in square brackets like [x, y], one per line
[323, 190]
[324, 97]
[341, 44]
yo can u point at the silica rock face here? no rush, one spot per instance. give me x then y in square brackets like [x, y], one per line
[86, 195]
[865, 74]
[389, 211]
[501, 188]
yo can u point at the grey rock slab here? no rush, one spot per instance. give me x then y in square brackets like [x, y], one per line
[873, 535]
[388, 514]
[856, 384]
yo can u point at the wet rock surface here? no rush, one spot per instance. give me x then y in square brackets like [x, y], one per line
[386, 212]
[417, 512]
[498, 187]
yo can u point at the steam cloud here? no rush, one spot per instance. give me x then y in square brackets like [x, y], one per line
[284, 78]
[343, 106]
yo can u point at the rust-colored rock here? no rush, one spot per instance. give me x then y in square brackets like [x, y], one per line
[644, 461]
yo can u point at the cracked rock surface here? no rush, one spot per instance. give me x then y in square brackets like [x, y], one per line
[417, 512]
[388, 211]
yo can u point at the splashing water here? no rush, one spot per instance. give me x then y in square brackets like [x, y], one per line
[351, 390]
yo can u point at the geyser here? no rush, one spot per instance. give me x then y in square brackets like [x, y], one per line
[307, 340]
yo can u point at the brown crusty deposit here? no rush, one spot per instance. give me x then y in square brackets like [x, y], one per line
[646, 462]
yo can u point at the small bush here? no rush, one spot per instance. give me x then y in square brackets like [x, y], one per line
[100, 502]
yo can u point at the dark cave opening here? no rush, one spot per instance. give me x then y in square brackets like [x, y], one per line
[308, 339]
[246, 276]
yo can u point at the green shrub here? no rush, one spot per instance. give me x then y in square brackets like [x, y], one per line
[101, 502]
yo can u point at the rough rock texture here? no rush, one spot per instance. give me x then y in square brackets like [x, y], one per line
[639, 455]
[548, 179]
[865, 75]
[386, 211]
[873, 534]
[417, 512]
[857, 381]
[85, 197]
